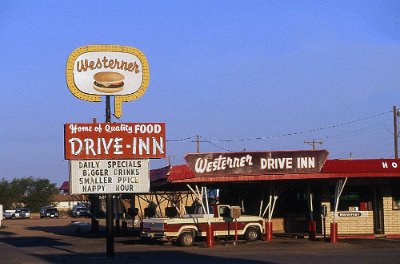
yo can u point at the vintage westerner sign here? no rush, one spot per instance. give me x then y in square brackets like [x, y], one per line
[270, 162]
[99, 70]
[114, 141]
[109, 176]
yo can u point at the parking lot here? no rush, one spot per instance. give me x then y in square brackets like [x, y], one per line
[62, 241]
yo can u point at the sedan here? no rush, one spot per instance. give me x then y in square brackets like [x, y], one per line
[49, 212]
[81, 212]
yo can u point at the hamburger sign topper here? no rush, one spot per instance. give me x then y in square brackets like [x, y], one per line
[100, 70]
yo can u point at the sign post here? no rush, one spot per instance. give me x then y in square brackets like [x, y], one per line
[110, 158]
[109, 202]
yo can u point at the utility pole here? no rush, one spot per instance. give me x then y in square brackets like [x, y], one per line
[198, 144]
[169, 159]
[313, 143]
[395, 132]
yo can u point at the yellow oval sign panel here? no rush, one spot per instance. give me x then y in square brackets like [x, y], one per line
[98, 70]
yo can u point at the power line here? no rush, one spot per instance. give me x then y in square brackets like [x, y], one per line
[215, 145]
[181, 140]
[282, 135]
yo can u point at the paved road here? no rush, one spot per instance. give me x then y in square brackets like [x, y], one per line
[59, 241]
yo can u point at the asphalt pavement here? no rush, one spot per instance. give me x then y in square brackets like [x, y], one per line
[65, 241]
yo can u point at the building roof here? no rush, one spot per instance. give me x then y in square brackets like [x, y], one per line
[69, 198]
[64, 187]
[352, 168]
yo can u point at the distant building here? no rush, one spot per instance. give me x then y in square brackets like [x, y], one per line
[64, 201]
[64, 188]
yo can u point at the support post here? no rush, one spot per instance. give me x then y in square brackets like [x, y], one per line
[116, 214]
[236, 231]
[334, 232]
[109, 200]
[268, 231]
[338, 192]
[395, 133]
[210, 236]
[109, 224]
[312, 230]
[312, 225]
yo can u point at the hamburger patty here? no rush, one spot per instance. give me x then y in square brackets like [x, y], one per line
[114, 85]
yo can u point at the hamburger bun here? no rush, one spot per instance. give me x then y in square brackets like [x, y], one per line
[108, 82]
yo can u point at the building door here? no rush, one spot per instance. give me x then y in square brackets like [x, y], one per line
[378, 211]
[296, 210]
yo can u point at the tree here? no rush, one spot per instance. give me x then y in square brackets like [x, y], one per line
[6, 198]
[39, 193]
[29, 192]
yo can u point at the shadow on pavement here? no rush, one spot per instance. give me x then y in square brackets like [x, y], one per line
[145, 257]
[5, 233]
[69, 230]
[32, 241]
[83, 230]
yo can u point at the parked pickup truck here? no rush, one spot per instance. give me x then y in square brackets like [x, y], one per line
[191, 226]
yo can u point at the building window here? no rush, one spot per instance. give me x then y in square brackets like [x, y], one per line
[396, 197]
[353, 198]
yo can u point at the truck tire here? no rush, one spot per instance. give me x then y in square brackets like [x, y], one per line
[252, 234]
[186, 239]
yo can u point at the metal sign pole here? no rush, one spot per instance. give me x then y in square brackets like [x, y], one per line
[138, 81]
[109, 200]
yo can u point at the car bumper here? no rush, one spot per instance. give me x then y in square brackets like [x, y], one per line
[160, 236]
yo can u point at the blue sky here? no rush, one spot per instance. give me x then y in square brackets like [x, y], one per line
[245, 75]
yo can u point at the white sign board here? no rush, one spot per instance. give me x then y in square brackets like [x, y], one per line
[96, 70]
[353, 214]
[109, 176]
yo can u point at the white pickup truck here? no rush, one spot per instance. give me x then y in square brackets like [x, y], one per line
[223, 218]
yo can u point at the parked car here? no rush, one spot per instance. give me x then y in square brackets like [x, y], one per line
[7, 214]
[21, 213]
[42, 209]
[80, 211]
[51, 212]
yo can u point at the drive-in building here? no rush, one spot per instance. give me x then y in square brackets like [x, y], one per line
[293, 188]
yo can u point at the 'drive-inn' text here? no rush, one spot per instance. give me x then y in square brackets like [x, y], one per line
[116, 146]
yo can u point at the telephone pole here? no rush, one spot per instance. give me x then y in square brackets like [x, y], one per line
[395, 132]
[313, 143]
[198, 144]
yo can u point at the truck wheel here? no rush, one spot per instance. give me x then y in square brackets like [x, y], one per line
[252, 234]
[186, 239]
[13, 217]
